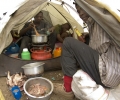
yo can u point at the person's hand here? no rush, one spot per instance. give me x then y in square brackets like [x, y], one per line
[84, 34]
[80, 38]
[15, 34]
[31, 25]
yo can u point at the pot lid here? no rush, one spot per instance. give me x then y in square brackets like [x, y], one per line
[32, 65]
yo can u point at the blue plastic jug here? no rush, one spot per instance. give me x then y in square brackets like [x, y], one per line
[12, 49]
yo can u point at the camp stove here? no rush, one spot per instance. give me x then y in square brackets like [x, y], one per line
[41, 51]
[40, 45]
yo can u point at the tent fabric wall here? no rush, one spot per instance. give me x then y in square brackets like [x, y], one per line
[28, 11]
[29, 15]
[9, 11]
[55, 16]
[46, 16]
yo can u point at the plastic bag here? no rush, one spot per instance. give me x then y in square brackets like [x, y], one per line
[85, 88]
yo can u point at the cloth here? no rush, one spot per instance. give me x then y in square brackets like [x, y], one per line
[109, 57]
[75, 52]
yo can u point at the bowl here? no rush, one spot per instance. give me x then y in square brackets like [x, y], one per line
[44, 82]
[33, 69]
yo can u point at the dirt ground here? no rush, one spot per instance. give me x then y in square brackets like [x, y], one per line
[54, 76]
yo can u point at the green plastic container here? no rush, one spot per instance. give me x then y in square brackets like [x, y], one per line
[25, 55]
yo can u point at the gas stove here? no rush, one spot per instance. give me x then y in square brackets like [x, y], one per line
[40, 45]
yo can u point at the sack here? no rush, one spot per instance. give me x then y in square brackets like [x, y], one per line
[85, 88]
[114, 93]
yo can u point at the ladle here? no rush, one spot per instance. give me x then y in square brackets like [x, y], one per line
[37, 34]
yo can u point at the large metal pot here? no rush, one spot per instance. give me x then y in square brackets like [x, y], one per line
[39, 39]
[31, 69]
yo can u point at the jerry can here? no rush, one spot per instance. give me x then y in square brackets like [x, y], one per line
[57, 52]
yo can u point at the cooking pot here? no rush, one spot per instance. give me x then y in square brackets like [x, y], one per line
[42, 38]
[33, 68]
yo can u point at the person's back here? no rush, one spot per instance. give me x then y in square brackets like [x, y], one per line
[109, 58]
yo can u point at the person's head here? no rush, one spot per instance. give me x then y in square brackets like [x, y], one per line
[83, 15]
[66, 27]
[38, 17]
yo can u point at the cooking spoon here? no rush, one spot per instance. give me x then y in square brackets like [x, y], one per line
[37, 34]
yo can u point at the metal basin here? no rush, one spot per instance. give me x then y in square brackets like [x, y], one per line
[44, 82]
[33, 68]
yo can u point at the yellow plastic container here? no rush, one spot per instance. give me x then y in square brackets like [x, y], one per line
[77, 31]
[57, 52]
[1, 96]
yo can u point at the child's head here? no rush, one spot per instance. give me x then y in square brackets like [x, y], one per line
[66, 27]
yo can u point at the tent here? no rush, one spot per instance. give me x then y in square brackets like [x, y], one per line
[24, 10]
[59, 13]
[18, 15]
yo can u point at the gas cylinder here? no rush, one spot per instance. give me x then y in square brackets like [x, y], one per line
[43, 54]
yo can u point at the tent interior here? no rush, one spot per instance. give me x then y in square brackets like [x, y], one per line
[14, 17]
[58, 12]
[55, 12]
